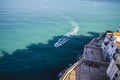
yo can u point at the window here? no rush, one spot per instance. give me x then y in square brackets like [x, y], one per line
[116, 75]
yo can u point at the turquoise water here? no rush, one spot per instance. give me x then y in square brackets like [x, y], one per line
[29, 29]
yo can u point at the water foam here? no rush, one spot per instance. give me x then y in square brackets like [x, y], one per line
[68, 35]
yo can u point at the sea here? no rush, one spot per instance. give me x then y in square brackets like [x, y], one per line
[41, 38]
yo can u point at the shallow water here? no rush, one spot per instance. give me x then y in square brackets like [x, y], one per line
[29, 30]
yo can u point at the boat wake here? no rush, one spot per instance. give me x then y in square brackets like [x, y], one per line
[68, 35]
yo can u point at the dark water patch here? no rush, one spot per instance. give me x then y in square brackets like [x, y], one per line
[42, 61]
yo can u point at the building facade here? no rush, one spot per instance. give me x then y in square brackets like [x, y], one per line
[113, 71]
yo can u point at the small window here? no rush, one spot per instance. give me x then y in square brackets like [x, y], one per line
[116, 75]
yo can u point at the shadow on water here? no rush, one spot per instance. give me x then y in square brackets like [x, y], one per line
[42, 61]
